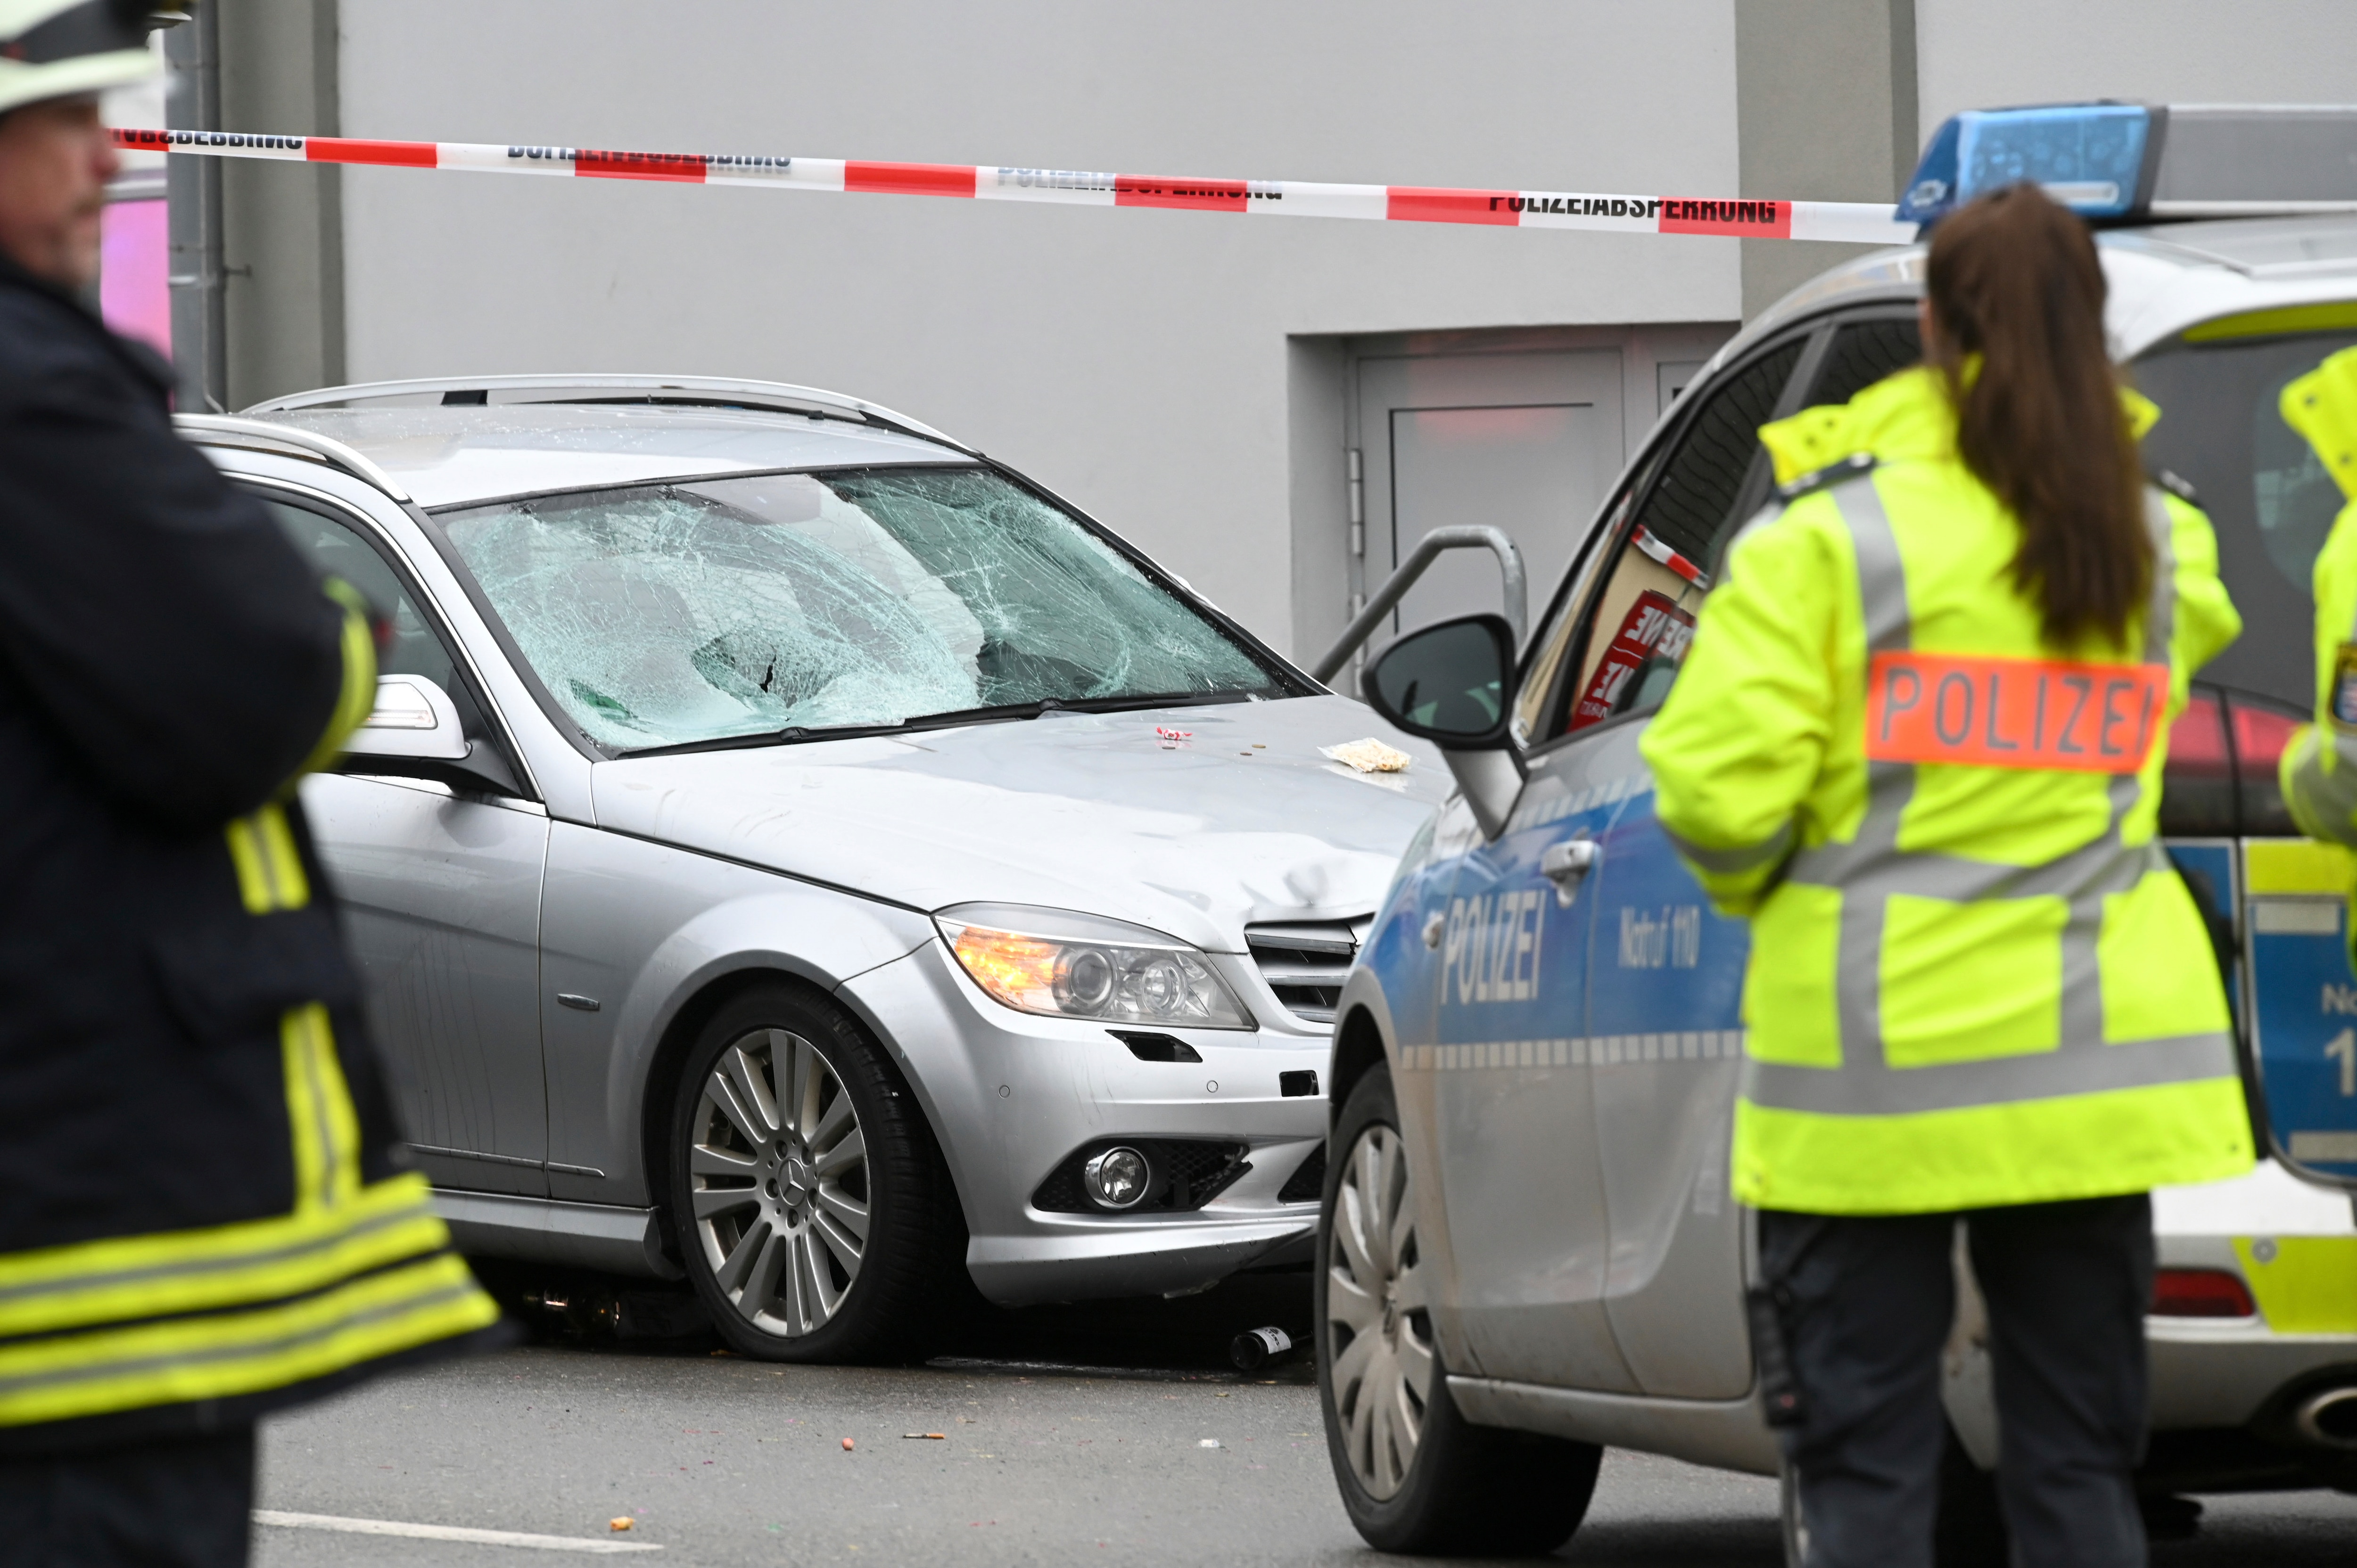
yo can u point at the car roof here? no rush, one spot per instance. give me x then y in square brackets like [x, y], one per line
[2164, 277]
[451, 444]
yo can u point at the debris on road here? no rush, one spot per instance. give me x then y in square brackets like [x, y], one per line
[1209, 1442]
[846, 1445]
[1368, 755]
[1257, 1348]
[623, 1523]
[935, 1436]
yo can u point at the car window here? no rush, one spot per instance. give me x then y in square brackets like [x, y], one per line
[2268, 499]
[1639, 622]
[335, 550]
[662, 615]
[1861, 354]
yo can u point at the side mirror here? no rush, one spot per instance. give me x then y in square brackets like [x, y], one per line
[414, 732]
[1454, 684]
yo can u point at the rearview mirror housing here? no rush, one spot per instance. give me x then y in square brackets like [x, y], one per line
[414, 732]
[1453, 684]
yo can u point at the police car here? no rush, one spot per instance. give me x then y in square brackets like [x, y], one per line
[1528, 1253]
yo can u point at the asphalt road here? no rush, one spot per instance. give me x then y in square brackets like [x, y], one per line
[1075, 1436]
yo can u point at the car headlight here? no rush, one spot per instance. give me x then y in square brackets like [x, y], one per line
[1071, 965]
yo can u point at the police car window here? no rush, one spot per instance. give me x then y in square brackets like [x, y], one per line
[1863, 352]
[334, 549]
[2270, 503]
[1643, 617]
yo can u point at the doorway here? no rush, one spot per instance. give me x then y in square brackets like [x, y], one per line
[1521, 441]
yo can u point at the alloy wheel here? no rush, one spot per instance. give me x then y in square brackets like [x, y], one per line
[1378, 1324]
[778, 1180]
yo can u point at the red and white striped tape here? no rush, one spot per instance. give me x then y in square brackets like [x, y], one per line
[1860, 221]
[1654, 547]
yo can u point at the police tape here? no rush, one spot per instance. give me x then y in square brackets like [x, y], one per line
[1857, 222]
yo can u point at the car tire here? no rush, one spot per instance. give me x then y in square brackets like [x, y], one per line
[1415, 1476]
[811, 1206]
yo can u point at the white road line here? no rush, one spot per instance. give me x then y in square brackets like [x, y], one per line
[447, 1532]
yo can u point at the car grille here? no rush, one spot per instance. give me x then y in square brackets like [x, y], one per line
[1305, 961]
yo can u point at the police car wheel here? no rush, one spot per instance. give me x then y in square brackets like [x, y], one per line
[809, 1204]
[1415, 1476]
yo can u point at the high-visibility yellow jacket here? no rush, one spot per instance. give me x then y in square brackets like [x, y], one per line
[2319, 771]
[1975, 979]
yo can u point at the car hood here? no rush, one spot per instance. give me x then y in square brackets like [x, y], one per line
[1194, 821]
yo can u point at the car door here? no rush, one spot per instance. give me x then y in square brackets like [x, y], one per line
[1666, 972]
[441, 892]
[1549, 1136]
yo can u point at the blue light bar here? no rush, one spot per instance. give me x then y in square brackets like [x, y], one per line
[2088, 156]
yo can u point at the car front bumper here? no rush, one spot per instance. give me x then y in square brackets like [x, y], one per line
[1011, 1096]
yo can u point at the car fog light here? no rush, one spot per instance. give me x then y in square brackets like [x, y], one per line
[1071, 965]
[1116, 1179]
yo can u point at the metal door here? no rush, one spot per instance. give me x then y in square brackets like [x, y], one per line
[1525, 442]
[441, 895]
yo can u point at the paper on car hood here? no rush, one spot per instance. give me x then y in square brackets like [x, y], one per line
[1096, 811]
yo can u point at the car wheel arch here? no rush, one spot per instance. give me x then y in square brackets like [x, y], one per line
[1357, 1048]
[677, 1038]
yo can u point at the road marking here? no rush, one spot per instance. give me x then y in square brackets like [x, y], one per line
[447, 1532]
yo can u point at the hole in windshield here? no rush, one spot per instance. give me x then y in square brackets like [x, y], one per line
[665, 614]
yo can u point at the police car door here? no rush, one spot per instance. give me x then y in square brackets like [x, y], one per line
[1666, 972]
[441, 895]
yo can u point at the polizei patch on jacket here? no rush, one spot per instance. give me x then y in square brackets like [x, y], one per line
[2013, 713]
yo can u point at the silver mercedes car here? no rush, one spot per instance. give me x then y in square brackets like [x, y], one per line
[792, 849]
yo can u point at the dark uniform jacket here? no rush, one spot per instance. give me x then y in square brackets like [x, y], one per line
[199, 1168]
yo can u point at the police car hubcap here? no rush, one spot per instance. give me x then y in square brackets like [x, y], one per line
[1378, 1339]
[778, 1182]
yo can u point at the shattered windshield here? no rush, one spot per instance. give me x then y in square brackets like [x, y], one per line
[659, 615]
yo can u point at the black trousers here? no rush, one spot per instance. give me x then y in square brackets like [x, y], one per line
[1867, 1304]
[185, 1504]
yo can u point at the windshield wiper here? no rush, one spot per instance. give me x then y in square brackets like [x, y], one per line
[795, 734]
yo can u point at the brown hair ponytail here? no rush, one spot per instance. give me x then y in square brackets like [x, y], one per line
[2014, 279]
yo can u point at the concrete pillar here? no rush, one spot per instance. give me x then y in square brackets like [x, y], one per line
[282, 223]
[1825, 112]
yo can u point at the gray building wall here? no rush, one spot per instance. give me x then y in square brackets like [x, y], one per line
[1139, 362]
[283, 234]
[1979, 53]
[1180, 375]
[1826, 111]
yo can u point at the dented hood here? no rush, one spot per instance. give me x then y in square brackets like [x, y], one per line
[1241, 821]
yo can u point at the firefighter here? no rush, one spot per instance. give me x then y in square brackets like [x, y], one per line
[1918, 743]
[205, 1212]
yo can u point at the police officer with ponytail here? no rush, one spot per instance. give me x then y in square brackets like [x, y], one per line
[205, 1209]
[1918, 742]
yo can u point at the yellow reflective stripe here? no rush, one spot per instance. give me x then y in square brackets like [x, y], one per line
[230, 1353]
[389, 1221]
[319, 1110]
[357, 696]
[2328, 318]
[2295, 865]
[2307, 1285]
[269, 869]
